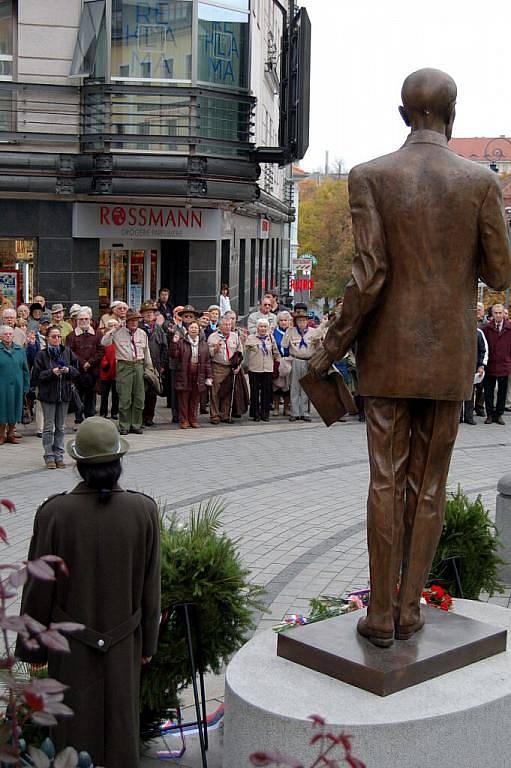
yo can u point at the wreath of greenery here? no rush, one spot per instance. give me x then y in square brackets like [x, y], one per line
[468, 535]
[201, 565]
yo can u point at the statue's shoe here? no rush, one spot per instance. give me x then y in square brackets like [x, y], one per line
[406, 631]
[375, 636]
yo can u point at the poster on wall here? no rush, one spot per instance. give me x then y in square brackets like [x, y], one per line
[135, 296]
[9, 286]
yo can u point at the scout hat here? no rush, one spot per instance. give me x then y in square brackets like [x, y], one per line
[190, 310]
[301, 313]
[56, 308]
[132, 314]
[149, 304]
[97, 441]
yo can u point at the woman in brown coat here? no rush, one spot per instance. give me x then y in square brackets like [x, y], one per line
[109, 539]
[85, 342]
[194, 372]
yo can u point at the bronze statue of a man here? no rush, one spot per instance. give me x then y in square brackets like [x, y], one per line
[426, 224]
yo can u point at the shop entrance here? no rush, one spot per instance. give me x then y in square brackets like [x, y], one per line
[128, 272]
[175, 258]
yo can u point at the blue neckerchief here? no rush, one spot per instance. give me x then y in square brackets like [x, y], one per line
[213, 326]
[278, 335]
[302, 343]
[264, 348]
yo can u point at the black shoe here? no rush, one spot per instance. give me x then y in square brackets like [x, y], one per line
[305, 418]
[149, 424]
[136, 431]
[507, 409]
[361, 418]
[265, 418]
[123, 431]
[293, 418]
[480, 412]
[203, 411]
[114, 416]
[257, 418]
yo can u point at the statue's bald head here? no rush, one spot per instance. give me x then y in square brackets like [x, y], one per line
[429, 98]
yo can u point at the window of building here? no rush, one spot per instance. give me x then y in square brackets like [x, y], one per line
[6, 39]
[17, 262]
[151, 40]
[223, 46]
[89, 57]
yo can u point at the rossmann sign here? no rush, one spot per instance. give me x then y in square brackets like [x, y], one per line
[146, 221]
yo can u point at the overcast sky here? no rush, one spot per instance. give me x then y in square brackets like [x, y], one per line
[363, 49]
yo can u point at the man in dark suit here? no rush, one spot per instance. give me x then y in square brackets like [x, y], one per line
[426, 224]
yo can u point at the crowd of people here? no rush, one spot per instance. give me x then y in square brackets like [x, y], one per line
[201, 362]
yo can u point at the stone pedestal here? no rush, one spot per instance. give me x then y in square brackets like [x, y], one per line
[503, 525]
[460, 719]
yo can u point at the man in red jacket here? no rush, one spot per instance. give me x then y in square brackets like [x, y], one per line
[498, 336]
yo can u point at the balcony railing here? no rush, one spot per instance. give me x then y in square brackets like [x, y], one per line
[134, 118]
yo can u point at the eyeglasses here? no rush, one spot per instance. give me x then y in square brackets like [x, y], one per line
[266, 305]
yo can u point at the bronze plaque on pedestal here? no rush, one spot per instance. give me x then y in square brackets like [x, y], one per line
[447, 642]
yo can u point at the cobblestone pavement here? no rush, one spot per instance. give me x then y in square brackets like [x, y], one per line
[294, 493]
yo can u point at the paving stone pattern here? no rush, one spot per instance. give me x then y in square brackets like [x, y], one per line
[295, 495]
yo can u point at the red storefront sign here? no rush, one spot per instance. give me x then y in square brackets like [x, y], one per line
[301, 284]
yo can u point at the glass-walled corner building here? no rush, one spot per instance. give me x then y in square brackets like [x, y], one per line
[127, 138]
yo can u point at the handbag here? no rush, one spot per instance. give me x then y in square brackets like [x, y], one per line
[153, 380]
[27, 415]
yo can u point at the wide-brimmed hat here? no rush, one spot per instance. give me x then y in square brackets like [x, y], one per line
[147, 305]
[132, 314]
[96, 441]
[56, 308]
[301, 313]
[188, 309]
[75, 308]
[36, 306]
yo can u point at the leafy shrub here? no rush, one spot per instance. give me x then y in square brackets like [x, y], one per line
[470, 536]
[199, 565]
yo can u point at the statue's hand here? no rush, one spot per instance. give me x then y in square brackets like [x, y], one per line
[320, 363]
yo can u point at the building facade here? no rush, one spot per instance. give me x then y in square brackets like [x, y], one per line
[494, 153]
[128, 131]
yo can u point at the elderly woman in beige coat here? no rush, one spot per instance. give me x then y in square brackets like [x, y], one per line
[261, 353]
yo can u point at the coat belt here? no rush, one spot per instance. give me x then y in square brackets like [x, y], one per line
[101, 641]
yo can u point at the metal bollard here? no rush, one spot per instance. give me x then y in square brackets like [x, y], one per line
[503, 525]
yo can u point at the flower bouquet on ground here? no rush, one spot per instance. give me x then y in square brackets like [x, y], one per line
[437, 597]
[325, 607]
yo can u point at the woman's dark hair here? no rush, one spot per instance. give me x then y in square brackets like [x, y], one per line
[101, 477]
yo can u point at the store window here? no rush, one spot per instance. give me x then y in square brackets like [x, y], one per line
[127, 274]
[6, 39]
[17, 261]
[151, 39]
[223, 46]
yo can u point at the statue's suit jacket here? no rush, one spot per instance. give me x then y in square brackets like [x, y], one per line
[426, 224]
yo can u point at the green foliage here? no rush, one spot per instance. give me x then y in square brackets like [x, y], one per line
[469, 535]
[200, 564]
[324, 229]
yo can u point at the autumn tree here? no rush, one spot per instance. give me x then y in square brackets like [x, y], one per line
[324, 229]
